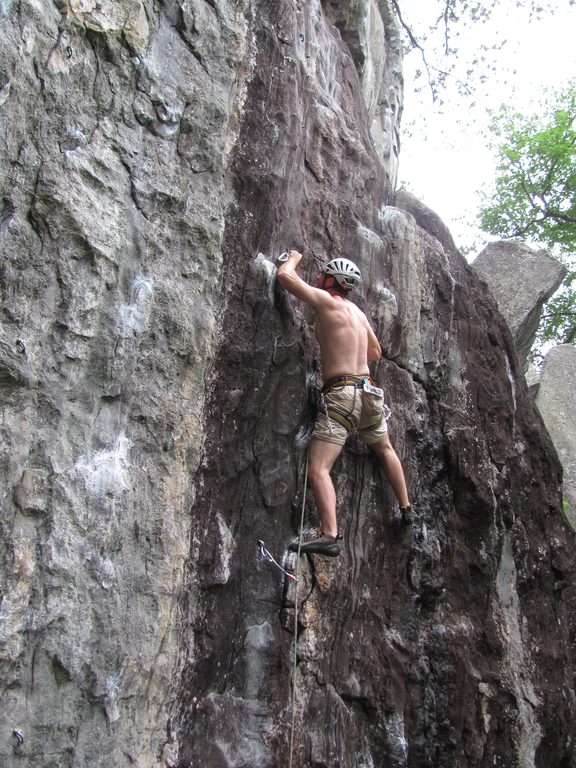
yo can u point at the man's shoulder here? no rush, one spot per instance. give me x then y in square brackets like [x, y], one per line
[325, 300]
[355, 308]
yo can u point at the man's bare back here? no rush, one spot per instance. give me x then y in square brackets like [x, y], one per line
[347, 341]
[343, 338]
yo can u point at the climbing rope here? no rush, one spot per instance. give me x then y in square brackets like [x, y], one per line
[266, 555]
[295, 659]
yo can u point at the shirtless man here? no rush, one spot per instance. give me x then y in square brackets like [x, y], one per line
[349, 398]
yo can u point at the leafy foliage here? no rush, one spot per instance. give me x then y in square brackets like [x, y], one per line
[535, 188]
[534, 196]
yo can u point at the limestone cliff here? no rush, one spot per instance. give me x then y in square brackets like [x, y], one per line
[156, 390]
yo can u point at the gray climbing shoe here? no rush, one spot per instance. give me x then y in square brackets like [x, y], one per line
[318, 543]
[407, 515]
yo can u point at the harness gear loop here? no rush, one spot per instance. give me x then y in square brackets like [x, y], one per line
[325, 405]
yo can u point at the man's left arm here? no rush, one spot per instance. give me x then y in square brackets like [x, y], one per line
[374, 348]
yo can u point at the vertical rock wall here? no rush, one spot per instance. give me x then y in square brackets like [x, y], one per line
[522, 280]
[118, 119]
[555, 401]
[418, 646]
[156, 391]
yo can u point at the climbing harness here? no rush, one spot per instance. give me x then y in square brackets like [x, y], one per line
[358, 382]
[365, 383]
[333, 415]
[267, 556]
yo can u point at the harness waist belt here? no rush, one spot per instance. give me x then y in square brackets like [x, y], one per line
[347, 381]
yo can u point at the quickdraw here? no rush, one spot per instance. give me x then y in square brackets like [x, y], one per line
[320, 263]
[267, 556]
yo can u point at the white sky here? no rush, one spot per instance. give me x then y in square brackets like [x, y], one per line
[443, 155]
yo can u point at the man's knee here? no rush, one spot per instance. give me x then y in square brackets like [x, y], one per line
[316, 472]
[383, 447]
[321, 460]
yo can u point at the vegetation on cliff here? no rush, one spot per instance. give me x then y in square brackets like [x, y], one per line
[534, 194]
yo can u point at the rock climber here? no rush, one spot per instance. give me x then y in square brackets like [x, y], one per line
[350, 400]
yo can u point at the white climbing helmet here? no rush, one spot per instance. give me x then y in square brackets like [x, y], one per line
[345, 272]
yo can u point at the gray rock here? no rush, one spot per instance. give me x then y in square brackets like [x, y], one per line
[522, 279]
[371, 33]
[114, 196]
[157, 394]
[555, 401]
[426, 218]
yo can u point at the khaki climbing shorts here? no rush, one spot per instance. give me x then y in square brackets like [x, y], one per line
[349, 407]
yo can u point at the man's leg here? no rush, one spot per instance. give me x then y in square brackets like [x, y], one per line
[392, 469]
[321, 458]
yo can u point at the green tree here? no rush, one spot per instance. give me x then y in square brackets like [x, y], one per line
[534, 195]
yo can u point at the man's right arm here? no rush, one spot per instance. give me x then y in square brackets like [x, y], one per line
[289, 279]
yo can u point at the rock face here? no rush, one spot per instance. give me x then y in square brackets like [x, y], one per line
[116, 141]
[555, 401]
[522, 280]
[427, 219]
[156, 389]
